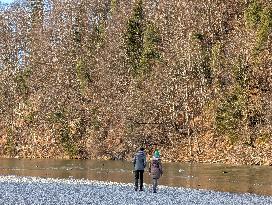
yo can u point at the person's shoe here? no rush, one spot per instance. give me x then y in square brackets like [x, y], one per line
[154, 191]
[136, 189]
[141, 190]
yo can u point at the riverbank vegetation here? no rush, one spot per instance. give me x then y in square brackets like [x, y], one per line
[98, 79]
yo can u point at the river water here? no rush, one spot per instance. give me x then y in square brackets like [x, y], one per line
[240, 179]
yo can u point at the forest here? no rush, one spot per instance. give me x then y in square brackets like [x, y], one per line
[97, 79]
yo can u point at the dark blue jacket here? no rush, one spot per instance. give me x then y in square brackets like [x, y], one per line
[139, 160]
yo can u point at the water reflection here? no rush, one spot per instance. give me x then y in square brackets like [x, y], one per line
[250, 179]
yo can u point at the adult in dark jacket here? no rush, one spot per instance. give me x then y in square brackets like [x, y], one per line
[155, 170]
[139, 162]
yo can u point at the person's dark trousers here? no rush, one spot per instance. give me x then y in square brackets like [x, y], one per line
[155, 184]
[139, 174]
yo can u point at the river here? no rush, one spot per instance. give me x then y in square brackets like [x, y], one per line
[219, 177]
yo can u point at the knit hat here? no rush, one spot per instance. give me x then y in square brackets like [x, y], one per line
[157, 154]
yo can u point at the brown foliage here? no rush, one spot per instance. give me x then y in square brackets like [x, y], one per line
[67, 91]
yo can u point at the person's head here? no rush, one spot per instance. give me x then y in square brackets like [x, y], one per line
[141, 149]
[157, 154]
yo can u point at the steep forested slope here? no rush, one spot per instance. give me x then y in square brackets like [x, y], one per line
[98, 79]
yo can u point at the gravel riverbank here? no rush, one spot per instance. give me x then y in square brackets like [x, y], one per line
[33, 190]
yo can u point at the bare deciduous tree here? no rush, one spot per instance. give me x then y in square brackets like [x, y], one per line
[96, 79]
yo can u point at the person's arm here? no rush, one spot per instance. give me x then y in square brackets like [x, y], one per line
[134, 160]
[144, 161]
[160, 167]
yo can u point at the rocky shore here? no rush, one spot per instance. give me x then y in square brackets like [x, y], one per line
[32, 190]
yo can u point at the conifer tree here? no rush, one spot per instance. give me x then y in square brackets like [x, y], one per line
[134, 38]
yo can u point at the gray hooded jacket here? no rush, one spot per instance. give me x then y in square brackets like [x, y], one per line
[139, 160]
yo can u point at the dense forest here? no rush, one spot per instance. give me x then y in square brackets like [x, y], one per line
[97, 79]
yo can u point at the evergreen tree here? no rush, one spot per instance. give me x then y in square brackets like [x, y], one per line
[151, 43]
[134, 38]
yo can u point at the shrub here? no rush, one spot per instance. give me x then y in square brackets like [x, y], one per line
[240, 71]
[253, 14]
[259, 18]
[9, 147]
[21, 81]
[230, 114]
[82, 74]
